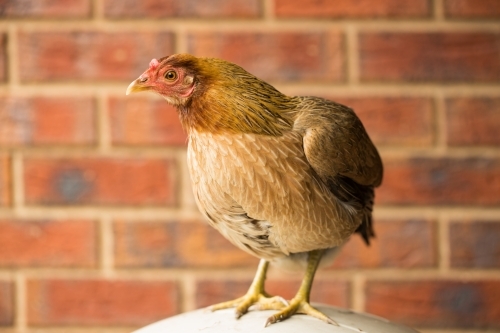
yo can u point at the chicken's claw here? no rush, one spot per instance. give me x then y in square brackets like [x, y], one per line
[261, 301]
[255, 295]
[299, 306]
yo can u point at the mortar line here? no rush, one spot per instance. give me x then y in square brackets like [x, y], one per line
[17, 185]
[78, 152]
[188, 293]
[249, 25]
[138, 213]
[352, 55]
[102, 127]
[144, 273]
[7, 188]
[12, 62]
[106, 245]
[444, 242]
[164, 153]
[438, 10]
[152, 213]
[20, 316]
[402, 152]
[440, 121]
[358, 292]
[366, 88]
[268, 14]
[246, 274]
[97, 12]
[433, 212]
[176, 178]
[180, 40]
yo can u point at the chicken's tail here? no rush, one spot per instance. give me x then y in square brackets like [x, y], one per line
[357, 197]
[366, 226]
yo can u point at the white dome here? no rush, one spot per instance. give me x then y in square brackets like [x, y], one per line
[223, 321]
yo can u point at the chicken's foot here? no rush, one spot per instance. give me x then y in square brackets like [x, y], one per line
[300, 303]
[256, 295]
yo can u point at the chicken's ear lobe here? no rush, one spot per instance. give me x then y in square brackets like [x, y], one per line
[188, 79]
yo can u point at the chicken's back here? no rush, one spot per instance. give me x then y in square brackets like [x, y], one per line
[341, 153]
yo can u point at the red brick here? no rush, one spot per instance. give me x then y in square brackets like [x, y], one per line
[5, 180]
[89, 55]
[142, 121]
[45, 9]
[434, 303]
[282, 56]
[446, 181]
[100, 302]
[105, 181]
[175, 244]
[6, 303]
[395, 121]
[3, 57]
[188, 8]
[472, 9]
[46, 120]
[474, 244]
[210, 292]
[433, 56]
[473, 121]
[48, 243]
[402, 244]
[352, 9]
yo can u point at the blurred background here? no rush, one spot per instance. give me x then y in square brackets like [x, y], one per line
[98, 227]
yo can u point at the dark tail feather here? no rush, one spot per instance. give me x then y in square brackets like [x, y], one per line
[359, 197]
[366, 226]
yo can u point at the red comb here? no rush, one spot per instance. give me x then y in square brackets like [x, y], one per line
[153, 64]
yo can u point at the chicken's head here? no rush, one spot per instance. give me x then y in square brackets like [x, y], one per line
[172, 77]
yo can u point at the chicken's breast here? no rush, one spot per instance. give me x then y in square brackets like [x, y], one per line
[262, 194]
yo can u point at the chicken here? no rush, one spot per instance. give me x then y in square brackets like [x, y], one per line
[286, 179]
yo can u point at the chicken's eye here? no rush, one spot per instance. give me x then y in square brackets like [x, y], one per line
[171, 75]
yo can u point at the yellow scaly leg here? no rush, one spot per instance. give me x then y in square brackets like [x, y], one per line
[300, 303]
[255, 295]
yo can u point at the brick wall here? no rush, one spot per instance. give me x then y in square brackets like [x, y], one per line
[98, 228]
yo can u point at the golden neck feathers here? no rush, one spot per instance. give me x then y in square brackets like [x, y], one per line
[229, 99]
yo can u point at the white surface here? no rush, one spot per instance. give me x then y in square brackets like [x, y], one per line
[224, 321]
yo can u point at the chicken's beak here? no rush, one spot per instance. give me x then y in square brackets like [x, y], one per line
[137, 85]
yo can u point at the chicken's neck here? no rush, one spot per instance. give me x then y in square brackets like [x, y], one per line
[252, 108]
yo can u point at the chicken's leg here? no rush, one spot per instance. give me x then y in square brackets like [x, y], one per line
[255, 295]
[300, 303]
